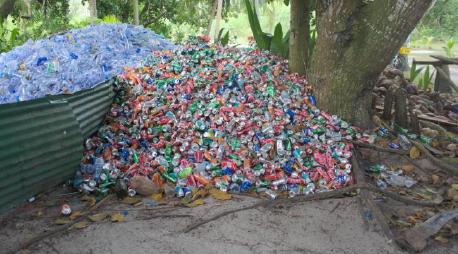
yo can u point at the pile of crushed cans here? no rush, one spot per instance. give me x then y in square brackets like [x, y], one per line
[228, 117]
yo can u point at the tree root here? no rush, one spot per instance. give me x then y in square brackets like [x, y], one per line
[439, 163]
[381, 149]
[164, 216]
[344, 192]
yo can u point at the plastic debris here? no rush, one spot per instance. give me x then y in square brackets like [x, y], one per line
[233, 118]
[76, 60]
[66, 210]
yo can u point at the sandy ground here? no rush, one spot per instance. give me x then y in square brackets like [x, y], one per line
[328, 226]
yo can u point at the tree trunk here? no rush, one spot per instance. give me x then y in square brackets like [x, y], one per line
[136, 17]
[93, 10]
[218, 19]
[6, 7]
[356, 40]
[299, 31]
[212, 16]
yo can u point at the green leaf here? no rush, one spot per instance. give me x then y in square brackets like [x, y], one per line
[278, 46]
[225, 39]
[262, 39]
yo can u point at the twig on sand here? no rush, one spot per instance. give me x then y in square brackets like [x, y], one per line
[40, 237]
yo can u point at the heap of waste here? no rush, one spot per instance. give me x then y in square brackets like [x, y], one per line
[74, 60]
[229, 117]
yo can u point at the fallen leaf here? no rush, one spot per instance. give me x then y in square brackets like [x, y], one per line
[90, 200]
[117, 217]
[414, 153]
[156, 196]
[403, 224]
[81, 224]
[455, 186]
[220, 195]
[441, 239]
[98, 217]
[131, 200]
[75, 215]
[200, 193]
[61, 221]
[408, 168]
[435, 179]
[195, 203]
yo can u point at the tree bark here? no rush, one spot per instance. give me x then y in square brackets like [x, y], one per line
[218, 19]
[6, 7]
[93, 10]
[136, 17]
[299, 31]
[356, 40]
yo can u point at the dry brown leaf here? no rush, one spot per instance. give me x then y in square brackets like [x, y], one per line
[441, 239]
[131, 200]
[195, 203]
[201, 193]
[156, 197]
[220, 195]
[435, 179]
[81, 224]
[408, 168]
[117, 217]
[61, 221]
[90, 200]
[75, 214]
[98, 217]
[414, 153]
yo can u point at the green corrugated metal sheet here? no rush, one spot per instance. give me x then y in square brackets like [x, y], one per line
[41, 141]
[90, 106]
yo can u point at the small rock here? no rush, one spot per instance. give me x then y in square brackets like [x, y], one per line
[452, 147]
[143, 185]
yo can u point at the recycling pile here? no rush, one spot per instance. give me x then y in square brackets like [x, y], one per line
[232, 118]
[74, 61]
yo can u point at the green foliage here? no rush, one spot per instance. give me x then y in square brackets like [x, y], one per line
[280, 43]
[110, 19]
[277, 44]
[440, 23]
[426, 80]
[414, 71]
[262, 39]
[223, 39]
[449, 48]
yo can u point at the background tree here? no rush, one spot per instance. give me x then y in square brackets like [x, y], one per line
[356, 40]
[93, 10]
[136, 17]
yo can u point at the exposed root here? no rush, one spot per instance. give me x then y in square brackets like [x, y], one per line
[381, 149]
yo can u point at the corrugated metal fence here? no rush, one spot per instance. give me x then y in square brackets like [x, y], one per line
[41, 141]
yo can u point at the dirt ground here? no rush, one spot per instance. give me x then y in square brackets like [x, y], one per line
[328, 226]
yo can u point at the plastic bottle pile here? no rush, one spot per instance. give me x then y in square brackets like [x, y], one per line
[74, 61]
[233, 118]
